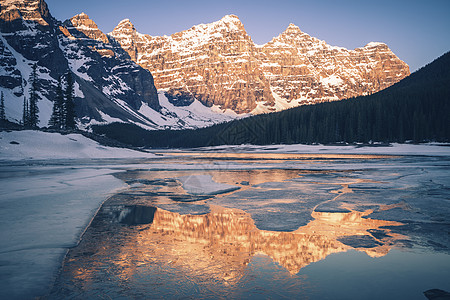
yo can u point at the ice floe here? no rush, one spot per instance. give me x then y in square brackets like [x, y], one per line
[204, 185]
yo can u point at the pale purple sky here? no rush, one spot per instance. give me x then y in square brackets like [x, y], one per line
[417, 31]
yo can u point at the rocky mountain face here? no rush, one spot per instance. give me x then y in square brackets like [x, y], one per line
[27, 35]
[214, 63]
[304, 69]
[207, 74]
[109, 85]
[82, 41]
[219, 64]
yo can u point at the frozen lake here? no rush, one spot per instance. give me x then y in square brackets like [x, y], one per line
[226, 224]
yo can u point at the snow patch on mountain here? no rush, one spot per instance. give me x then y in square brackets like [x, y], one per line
[14, 102]
[332, 80]
[78, 63]
[199, 35]
[374, 44]
[195, 115]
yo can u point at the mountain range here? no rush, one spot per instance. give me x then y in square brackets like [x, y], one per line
[412, 110]
[219, 64]
[210, 73]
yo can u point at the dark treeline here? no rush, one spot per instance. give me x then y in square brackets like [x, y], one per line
[416, 109]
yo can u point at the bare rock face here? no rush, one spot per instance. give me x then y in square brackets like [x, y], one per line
[10, 77]
[219, 64]
[13, 12]
[129, 39]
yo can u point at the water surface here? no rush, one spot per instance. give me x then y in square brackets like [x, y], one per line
[291, 226]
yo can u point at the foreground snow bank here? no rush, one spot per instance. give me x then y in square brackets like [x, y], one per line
[31, 144]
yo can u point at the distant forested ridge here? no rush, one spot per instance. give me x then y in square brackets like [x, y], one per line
[415, 109]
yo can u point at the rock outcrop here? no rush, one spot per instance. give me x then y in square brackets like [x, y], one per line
[304, 69]
[14, 12]
[219, 64]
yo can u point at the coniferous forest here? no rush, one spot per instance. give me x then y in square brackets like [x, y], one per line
[416, 109]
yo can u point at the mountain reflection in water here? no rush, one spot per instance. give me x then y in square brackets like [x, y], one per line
[231, 237]
[218, 246]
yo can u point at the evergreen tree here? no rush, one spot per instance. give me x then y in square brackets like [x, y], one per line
[33, 110]
[2, 107]
[57, 119]
[26, 114]
[54, 119]
[69, 106]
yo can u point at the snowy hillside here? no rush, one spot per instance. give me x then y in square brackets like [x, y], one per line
[169, 116]
[193, 116]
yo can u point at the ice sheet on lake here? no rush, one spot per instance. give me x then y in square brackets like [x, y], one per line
[204, 185]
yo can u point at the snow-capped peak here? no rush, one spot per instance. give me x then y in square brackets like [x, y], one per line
[230, 19]
[125, 22]
[293, 31]
[29, 10]
[232, 23]
[124, 26]
[84, 25]
[82, 15]
[375, 44]
[218, 63]
[293, 27]
[80, 20]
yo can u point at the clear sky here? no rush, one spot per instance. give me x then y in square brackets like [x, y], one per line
[417, 31]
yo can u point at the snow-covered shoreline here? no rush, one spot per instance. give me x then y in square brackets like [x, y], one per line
[31, 144]
[428, 149]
